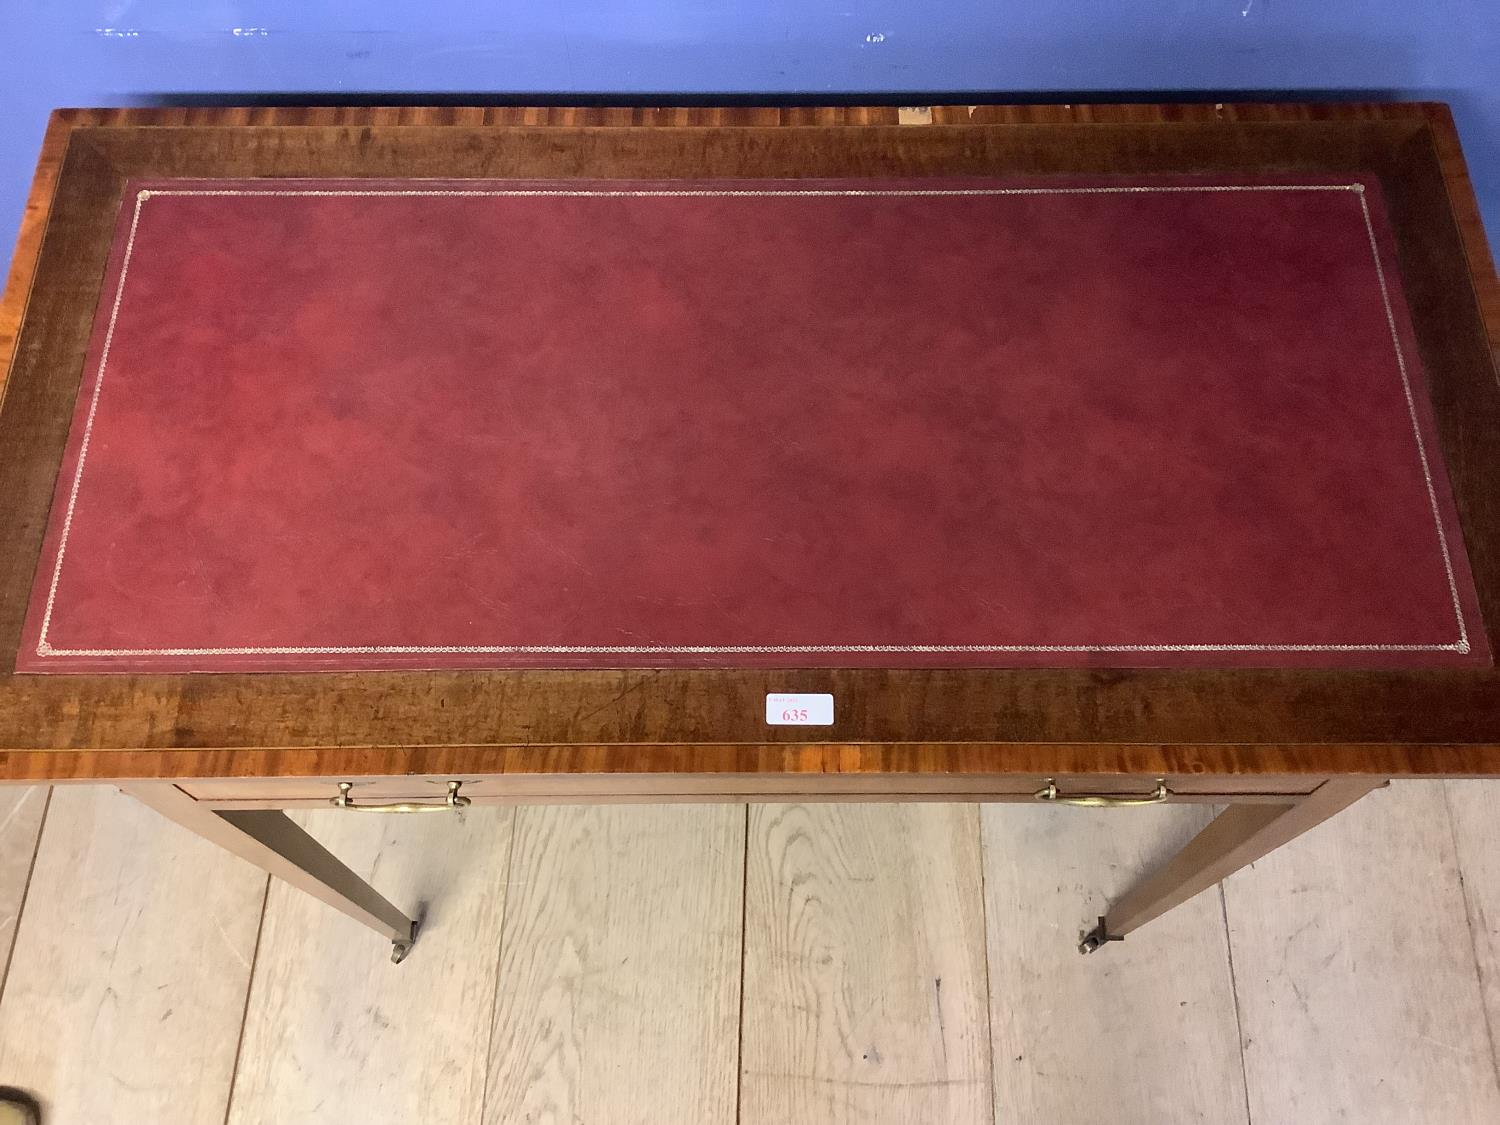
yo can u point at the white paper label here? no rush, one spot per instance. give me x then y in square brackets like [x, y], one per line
[799, 710]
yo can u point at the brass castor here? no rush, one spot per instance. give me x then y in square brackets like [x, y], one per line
[399, 950]
[1095, 938]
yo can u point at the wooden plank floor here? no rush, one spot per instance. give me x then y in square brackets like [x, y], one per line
[777, 964]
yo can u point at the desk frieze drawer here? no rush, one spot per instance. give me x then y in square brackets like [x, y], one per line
[1097, 790]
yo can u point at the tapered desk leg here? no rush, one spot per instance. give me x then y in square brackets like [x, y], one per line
[272, 842]
[1236, 837]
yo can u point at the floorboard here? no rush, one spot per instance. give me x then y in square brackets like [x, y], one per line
[131, 963]
[1358, 989]
[864, 966]
[618, 991]
[1142, 1031]
[334, 1032]
[21, 810]
[1476, 839]
[586, 967]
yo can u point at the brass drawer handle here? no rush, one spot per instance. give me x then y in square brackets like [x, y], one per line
[1049, 792]
[452, 801]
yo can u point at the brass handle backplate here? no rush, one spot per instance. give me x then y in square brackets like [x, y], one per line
[1050, 793]
[452, 802]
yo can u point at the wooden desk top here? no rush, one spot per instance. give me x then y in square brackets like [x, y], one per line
[1342, 239]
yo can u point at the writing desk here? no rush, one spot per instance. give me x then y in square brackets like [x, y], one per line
[413, 458]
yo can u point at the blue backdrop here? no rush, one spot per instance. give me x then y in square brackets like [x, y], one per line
[135, 52]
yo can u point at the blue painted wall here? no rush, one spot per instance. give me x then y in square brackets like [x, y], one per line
[134, 52]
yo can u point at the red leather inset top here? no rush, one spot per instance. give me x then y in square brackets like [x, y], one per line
[1117, 421]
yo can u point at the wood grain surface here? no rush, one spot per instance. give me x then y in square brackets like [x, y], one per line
[1353, 970]
[618, 990]
[22, 812]
[1102, 1037]
[864, 966]
[326, 1001]
[1359, 1014]
[29, 239]
[1381, 722]
[1476, 846]
[911, 766]
[172, 920]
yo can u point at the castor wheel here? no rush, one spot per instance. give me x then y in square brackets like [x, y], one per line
[1095, 938]
[399, 949]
